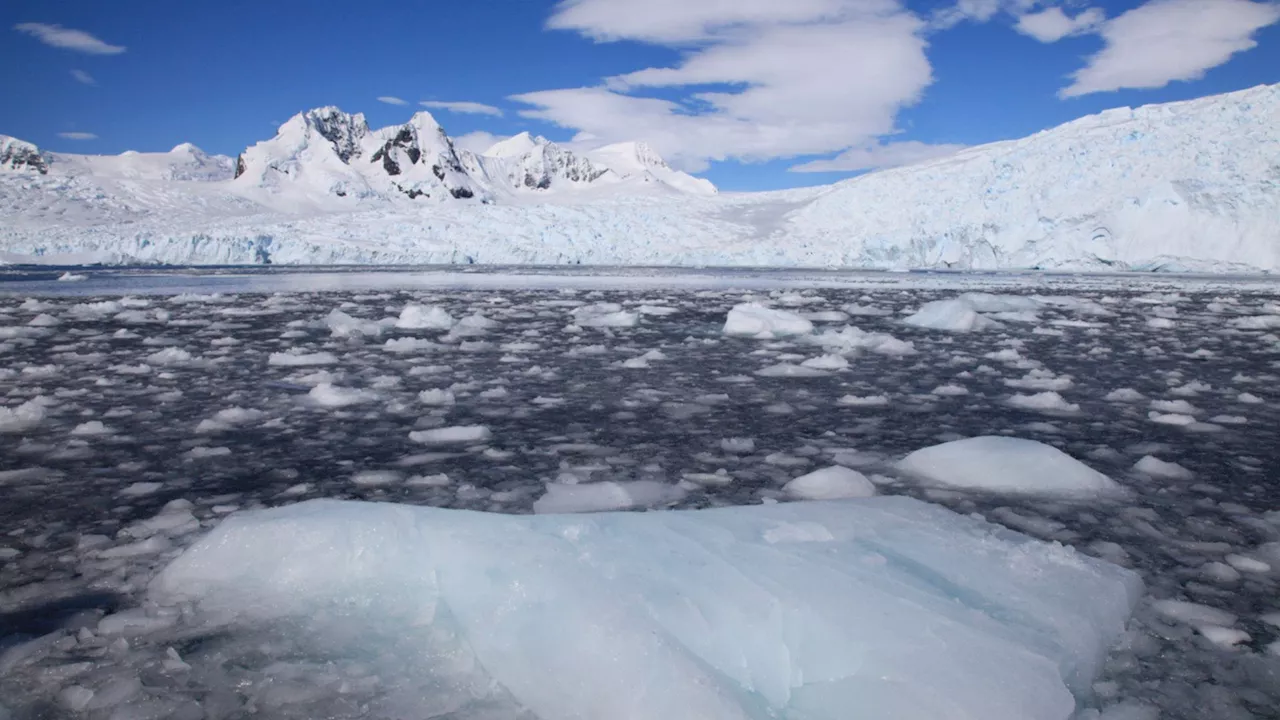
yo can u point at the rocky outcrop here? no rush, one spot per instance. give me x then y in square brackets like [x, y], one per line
[22, 156]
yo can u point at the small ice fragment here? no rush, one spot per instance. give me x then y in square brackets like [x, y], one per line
[830, 483]
[1157, 468]
[457, 434]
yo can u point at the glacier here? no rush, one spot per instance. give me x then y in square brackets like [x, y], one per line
[1186, 186]
[876, 607]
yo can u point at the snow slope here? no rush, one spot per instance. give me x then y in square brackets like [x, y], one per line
[1182, 186]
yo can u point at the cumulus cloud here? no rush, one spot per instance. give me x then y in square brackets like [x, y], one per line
[391, 100]
[68, 39]
[77, 136]
[976, 11]
[1052, 24]
[1168, 40]
[477, 142]
[467, 108]
[880, 156]
[759, 79]
[83, 77]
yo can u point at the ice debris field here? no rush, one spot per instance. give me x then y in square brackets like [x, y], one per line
[902, 499]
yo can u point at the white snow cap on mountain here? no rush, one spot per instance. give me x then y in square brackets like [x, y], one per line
[1178, 186]
[322, 154]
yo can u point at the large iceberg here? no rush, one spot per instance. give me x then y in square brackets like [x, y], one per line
[882, 607]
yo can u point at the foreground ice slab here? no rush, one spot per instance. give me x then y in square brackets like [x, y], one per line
[883, 607]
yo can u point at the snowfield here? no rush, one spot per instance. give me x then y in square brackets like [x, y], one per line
[1183, 186]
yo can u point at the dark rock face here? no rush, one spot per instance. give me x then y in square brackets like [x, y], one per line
[341, 129]
[461, 193]
[19, 155]
[239, 166]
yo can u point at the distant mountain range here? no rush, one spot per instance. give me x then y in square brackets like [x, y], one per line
[326, 158]
[1192, 185]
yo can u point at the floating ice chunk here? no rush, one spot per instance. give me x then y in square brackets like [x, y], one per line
[789, 370]
[1161, 323]
[849, 339]
[1247, 564]
[1048, 401]
[93, 428]
[296, 359]
[757, 321]
[745, 613]
[1192, 613]
[458, 434]
[950, 389]
[1249, 398]
[23, 417]
[74, 697]
[738, 446]
[604, 315]
[332, 396]
[826, 362]
[1157, 468]
[139, 489]
[229, 418]
[950, 315]
[863, 401]
[1257, 322]
[1124, 395]
[1181, 407]
[437, 397]
[424, 317]
[375, 478]
[69, 276]
[170, 356]
[1170, 418]
[607, 495]
[342, 325]
[1223, 637]
[1006, 465]
[44, 320]
[1041, 379]
[409, 345]
[830, 483]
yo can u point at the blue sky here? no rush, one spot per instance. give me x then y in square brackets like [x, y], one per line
[753, 94]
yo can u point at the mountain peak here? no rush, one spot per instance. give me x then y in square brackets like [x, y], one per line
[516, 145]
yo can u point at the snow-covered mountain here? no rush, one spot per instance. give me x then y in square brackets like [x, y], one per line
[1191, 185]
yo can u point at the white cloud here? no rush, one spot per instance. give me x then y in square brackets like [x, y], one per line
[1167, 40]
[874, 157]
[77, 136]
[392, 100]
[681, 21]
[84, 77]
[1052, 24]
[976, 11]
[477, 142]
[468, 108]
[789, 78]
[60, 37]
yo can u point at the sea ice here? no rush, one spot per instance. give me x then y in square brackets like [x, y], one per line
[1006, 465]
[739, 613]
[420, 317]
[951, 315]
[756, 320]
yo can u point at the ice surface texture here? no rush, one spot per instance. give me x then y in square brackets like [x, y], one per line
[886, 607]
[1006, 465]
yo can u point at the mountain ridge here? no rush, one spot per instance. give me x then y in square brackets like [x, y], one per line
[1193, 185]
